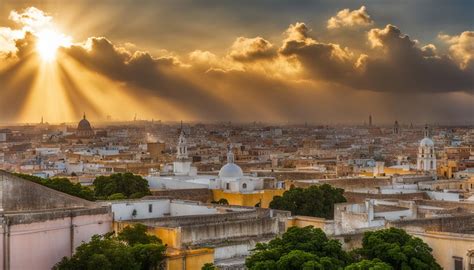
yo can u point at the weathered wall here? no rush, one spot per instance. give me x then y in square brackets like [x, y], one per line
[23, 195]
[208, 233]
[356, 197]
[41, 245]
[302, 221]
[454, 224]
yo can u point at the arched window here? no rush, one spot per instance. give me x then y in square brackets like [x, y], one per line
[431, 165]
[227, 186]
[244, 185]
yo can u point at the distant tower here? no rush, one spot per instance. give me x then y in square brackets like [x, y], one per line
[396, 128]
[182, 164]
[370, 120]
[182, 147]
[426, 160]
[426, 131]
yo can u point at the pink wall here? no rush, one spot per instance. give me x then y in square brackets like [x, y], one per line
[41, 245]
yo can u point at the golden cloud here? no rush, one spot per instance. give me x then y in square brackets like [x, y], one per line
[348, 18]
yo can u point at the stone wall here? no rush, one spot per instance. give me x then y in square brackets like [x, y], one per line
[454, 224]
[358, 197]
[197, 194]
[228, 230]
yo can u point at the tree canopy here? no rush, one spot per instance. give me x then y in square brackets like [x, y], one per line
[315, 201]
[399, 249]
[131, 249]
[61, 184]
[309, 248]
[128, 184]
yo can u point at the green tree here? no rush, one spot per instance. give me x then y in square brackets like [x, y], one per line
[100, 253]
[116, 196]
[375, 264]
[315, 201]
[126, 183]
[131, 249]
[296, 248]
[149, 256]
[209, 266]
[399, 249]
[136, 234]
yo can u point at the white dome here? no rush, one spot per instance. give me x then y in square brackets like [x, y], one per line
[426, 142]
[231, 170]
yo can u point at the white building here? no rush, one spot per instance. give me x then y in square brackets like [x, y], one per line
[426, 160]
[182, 164]
[231, 178]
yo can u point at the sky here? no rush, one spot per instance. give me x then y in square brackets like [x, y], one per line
[322, 62]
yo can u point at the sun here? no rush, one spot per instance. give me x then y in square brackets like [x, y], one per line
[48, 42]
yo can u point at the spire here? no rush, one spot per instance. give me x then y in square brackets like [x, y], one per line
[426, 131]
[230, 154]
[84, 116]
[182, 147]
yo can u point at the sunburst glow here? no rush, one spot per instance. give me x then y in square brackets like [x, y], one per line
[48, 43]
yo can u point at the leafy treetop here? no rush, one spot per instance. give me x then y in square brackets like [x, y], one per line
[315, 201]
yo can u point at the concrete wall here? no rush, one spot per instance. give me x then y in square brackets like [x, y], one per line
[123, 210]
[23, 195]
[187, 209]
[454, 224]
[40, 245]
[302, 221]
[234, 250]
[208, 233]
[355, 197]
[443, 196]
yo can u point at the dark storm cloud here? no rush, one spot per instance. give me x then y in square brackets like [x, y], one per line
[395, 64]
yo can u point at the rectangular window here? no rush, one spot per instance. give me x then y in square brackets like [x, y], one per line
[457, 263]
[150, 208]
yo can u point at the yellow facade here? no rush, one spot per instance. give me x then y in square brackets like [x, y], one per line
[176, 258]
[304, 221]
[188, 259]
[263, 197]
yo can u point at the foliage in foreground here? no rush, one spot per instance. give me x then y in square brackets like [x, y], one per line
[131, 249]
[309, 248]
[61, 184]
[314, 201]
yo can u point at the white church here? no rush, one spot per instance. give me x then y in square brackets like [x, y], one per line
[426, 160]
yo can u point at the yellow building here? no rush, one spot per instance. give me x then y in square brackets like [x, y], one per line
[177, 258]
[262, 197]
